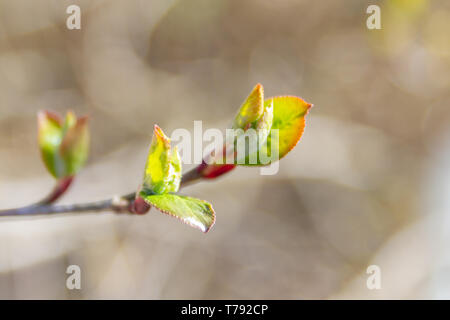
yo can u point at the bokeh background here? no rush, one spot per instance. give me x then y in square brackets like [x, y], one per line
[369, 183]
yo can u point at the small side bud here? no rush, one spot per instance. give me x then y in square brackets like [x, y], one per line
[64, 145]
[140, 206]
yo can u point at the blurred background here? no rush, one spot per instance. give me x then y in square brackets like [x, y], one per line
[369, 183]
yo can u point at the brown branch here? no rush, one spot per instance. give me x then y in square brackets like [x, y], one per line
[122, 204]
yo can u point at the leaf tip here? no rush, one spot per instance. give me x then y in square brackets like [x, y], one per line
[44, 115]
[159, 134]
[258, 87]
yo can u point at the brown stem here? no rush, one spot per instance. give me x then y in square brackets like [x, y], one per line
[117, 204]
[51, 209]
[60, 188]
[191, 176]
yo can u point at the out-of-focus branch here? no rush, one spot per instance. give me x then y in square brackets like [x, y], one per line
[60, 188]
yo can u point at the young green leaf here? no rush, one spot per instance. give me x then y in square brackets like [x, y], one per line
[256, 135]
[251, 115]
[195, 212]
[175, 172]
[163, 167]
[158, 164]
[49, 138]
[162, 178]
[251, 110]
[64, 145]
[288, 124]
[75, 145]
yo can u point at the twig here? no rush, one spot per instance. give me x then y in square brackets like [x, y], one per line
[122, 204]
[61, 187]
[52, 209]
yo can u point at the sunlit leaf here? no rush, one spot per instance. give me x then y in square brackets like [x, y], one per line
[63, 144]
[75, 146]
[248, 144]
[163, 167]
[251, 110]
[264, 133]
[49, 138]
[250, 129]
[175, 172]
[288, 123]
[195, 212]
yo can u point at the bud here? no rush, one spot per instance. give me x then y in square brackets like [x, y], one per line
[163, 167]
[140, 206]
[64, 145]
[162, 179]
[253, 114]
[251, 110]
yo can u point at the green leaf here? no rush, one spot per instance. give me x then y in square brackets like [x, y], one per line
[64, 146]
[49, 139]
[175, 173]
[195, 212]
[287, 125]
[245, 142]
[163, 167]
[255, 138]
[278, 125]
[75, 146]
[251, 110]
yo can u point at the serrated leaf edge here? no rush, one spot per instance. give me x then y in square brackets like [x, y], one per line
[184, 221]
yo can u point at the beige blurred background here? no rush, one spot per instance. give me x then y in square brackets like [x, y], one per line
[369, 183]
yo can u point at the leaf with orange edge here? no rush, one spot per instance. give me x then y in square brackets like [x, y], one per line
[251, 110]
[287, 125]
